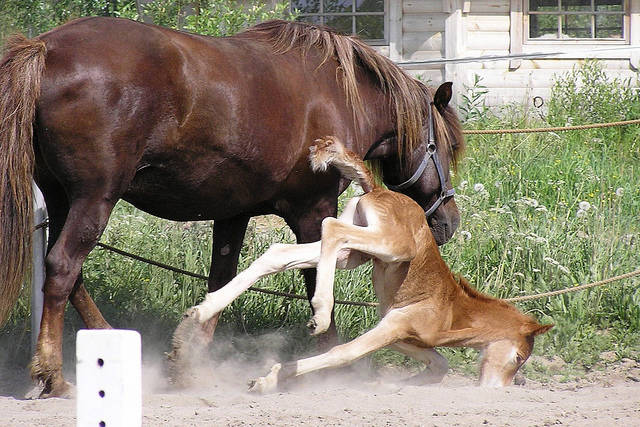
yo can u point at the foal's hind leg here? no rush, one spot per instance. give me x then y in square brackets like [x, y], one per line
[391, 328]
[190, 342]
[84, 224]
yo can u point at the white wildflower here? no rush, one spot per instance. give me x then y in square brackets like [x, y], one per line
[465, 235]
[584, 205]
[518, 274]
[478, 188]
[564, 269]
[581, 213]
[619, 191]
[541, 209]
[463, 185]
[498, 184]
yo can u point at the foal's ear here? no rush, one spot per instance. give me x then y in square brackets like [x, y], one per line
[534, 329]
[385, 148]
[443, 96]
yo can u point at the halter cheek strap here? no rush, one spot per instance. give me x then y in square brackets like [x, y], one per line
[431, 154]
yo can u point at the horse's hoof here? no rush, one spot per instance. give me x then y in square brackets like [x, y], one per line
[63, 390]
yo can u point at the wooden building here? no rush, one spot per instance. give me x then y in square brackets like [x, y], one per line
[409, 31]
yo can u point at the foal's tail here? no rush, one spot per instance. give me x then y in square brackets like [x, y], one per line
[21, 70]
[329, 151]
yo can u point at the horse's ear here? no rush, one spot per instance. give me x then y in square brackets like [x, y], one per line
[534, 329]
[443, 96]
[385, 148]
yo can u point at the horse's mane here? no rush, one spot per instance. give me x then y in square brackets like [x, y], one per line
[473, 293]
[409, 98]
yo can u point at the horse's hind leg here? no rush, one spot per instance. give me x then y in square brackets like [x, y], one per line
[58, 209]
[83, 226]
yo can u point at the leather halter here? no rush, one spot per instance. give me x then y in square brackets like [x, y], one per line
[431, 154]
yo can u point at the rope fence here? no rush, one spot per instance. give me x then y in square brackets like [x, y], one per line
[345, 302]
[628, 275]
[550, 129]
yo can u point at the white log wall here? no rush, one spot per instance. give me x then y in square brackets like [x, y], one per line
[484, 27]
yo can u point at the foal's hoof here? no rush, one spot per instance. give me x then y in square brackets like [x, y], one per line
[192, 313]
[266, 384]
[318, 326]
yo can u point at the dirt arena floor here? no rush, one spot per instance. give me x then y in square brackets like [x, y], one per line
[347, 398]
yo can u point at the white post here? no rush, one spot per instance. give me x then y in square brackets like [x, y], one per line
[109, 378]
[39, 251]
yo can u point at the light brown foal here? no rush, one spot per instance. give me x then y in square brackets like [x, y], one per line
[421, 304]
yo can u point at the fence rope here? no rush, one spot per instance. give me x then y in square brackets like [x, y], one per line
[203, 277]
[365, 303]
[550, 129]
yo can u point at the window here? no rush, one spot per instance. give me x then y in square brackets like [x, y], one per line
[365, 18]
[576, 19]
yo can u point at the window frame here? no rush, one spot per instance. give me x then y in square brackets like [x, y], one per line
[373, 42]
[626, 4]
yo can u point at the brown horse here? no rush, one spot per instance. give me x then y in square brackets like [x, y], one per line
[188, 127]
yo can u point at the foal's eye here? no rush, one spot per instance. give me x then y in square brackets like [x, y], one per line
[519, 358]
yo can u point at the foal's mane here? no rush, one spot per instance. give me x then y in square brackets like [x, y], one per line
[409, 98]
[473, 293]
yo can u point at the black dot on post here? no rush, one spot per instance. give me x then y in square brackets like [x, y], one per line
[102, 424]
[100, 362]
[101, 393]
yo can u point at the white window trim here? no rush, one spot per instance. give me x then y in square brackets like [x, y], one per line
[572, 41]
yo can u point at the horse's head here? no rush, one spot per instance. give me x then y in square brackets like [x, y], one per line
[423, 172]
[502, 358]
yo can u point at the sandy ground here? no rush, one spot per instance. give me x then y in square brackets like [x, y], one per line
[347, 398]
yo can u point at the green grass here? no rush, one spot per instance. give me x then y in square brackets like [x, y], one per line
[526, 228]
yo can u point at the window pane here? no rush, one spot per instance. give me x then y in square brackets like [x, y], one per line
[609, 26]
[338, 6]
[306, 6]
[370, 27]
[543, 27]
[369, 6]
[343, 24]
[609, 5]
[543, 5]
[576, 26]
[576, 5]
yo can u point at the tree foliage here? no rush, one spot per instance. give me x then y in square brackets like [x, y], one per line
[211, 17]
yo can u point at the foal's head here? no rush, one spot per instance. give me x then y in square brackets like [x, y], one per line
[422, 170]
[502, 357]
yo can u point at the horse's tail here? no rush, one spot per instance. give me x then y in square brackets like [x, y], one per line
[329, 151]
[21, 70]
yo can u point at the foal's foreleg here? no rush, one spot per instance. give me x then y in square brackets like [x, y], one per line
[338, 235]
[390, 329]
[279, 257]
[436, 364]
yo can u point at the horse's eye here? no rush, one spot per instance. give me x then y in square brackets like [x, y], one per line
[519, 358]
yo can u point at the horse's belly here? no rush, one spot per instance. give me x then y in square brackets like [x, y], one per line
[166, 196]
